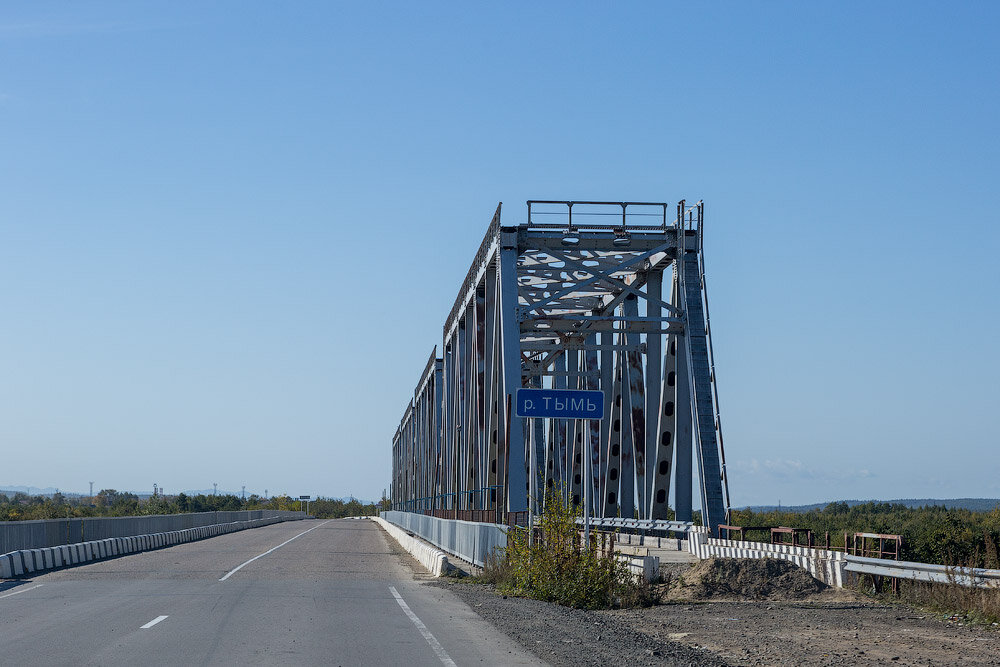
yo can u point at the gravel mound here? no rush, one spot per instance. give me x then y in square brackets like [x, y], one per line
[749, 579]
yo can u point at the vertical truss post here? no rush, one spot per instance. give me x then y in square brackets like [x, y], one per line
[538, 447]
[683, 471]
[462, 466]
[559, 428]
[469, 430]
[574, 432]
[493, 398]
[634, 436]
[614, 456]
[666, 429]
[608, 387]
[419, 462]
[396, 470]
[449, 426]
[591, 476]
[551, 473]
[517, 491]
[654, 376]
[435, 434]
[480, 446]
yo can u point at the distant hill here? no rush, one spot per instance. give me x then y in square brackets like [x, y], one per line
[973, 504]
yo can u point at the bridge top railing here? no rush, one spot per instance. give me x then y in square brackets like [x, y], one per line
[598, 215]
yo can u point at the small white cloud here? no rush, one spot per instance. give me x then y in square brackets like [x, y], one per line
[793, 469]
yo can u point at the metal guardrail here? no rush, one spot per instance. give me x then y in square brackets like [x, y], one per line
[639, 524]
[941, 574]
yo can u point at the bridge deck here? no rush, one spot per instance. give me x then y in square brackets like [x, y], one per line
[323, 598]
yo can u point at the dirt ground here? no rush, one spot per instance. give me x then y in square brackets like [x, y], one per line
[817, 632]
[792, 621]
[570, 637]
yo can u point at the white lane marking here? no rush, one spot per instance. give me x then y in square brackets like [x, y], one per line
[441, 653]
[23, 590]
[153, 622]
[241, 565]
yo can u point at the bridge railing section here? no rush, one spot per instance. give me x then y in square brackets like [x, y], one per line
[470, 541]
[482, 516]
[832, 567]
[940, 574]
[41, 533]
[638, 525]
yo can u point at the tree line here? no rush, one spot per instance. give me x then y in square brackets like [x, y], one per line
[931, 534]
[110, 503]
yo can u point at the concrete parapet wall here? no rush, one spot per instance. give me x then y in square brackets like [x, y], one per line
[468, 540]
[646, 568]
[435, 560]
[37, 534]
[26, 561]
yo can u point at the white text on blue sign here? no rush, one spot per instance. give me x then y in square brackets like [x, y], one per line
[560, 403]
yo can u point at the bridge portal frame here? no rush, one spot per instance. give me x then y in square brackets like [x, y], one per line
[584, 303]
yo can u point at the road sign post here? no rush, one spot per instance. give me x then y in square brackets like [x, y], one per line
[307, 499]
[560, 404]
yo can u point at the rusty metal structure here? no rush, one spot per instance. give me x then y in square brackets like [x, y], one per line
[603, 296]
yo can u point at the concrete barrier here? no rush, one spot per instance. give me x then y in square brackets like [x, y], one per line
[470, 541]
[6, 567]
[645, 567]
[433, 559]
[25, 561]
[36, 534]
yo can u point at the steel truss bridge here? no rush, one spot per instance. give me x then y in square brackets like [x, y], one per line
[584, 295]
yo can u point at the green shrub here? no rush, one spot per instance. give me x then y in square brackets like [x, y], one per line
[555, 568]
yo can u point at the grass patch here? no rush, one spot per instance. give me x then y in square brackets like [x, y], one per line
[972, 605]
[968, 603]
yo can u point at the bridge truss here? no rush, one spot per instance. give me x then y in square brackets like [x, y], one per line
[584, 295]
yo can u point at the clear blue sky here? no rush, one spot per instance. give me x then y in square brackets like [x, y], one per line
[230, 232]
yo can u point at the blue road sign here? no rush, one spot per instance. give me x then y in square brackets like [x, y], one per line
[560, 403]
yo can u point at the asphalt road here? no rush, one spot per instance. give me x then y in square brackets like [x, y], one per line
[337, 593]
